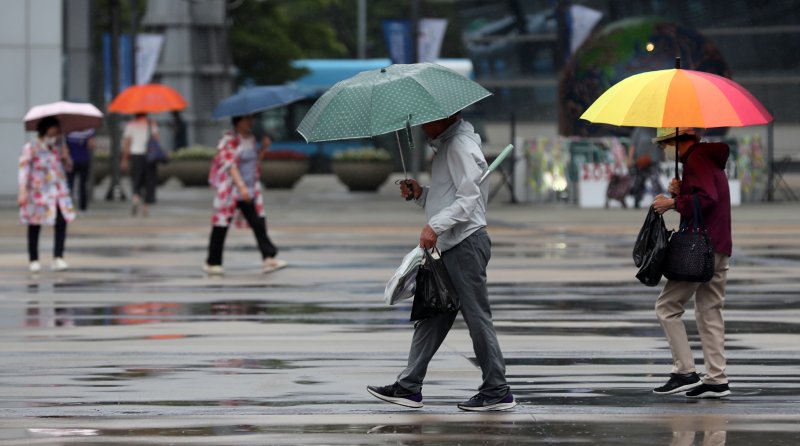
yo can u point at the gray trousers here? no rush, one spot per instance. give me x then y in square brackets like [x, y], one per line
[466, 264]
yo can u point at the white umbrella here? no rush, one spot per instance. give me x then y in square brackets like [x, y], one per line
[72, 115]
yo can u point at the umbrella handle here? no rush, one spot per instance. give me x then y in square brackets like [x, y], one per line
[407, 182]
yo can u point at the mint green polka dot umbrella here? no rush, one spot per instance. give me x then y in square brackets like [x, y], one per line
[375, 102]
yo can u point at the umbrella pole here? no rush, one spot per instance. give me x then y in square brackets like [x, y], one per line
[677, 66]
[677, 177]
[400, 148]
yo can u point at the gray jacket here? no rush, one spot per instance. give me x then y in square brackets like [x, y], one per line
[455, 205]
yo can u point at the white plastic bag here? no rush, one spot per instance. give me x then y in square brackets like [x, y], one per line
[403, 283]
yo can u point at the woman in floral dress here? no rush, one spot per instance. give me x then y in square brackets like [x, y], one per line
[43, 193]
[235, 175]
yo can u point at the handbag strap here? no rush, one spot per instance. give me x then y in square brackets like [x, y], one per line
[697, 216]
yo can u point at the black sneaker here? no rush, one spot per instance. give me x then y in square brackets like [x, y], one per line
[479, 403]
[678, 383]
[710, 391]
[396, 395]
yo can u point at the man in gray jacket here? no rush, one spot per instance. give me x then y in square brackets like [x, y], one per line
[455, 207]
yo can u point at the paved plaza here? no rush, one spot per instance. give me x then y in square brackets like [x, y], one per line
[135, 346]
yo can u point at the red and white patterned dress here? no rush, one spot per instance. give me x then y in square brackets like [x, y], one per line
[227, 194]
[41, 174]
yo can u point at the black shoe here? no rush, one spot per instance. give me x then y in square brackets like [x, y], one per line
[710, 391]
[679, 383]
[396, 395]
[479, 403]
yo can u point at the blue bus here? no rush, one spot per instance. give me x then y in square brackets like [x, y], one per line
[281, 123]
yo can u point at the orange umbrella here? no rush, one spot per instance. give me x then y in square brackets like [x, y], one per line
[147, 98]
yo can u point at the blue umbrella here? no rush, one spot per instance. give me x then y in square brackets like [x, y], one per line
[256, 99]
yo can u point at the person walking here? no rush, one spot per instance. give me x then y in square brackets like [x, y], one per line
[43, 193]
[143, 173]
[644, 160]
[705, 178]
[80, 144]
[455, 207]
[235, 174]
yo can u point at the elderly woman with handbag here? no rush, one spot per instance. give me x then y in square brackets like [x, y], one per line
[44, 197]
[701, 198]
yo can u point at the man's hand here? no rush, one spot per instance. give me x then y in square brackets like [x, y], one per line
[674, 186]
[662, 203]
[410, 189]
[427, 239]
[123, 165]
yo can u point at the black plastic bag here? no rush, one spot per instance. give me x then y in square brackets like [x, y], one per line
[435, 293]
[650, 248]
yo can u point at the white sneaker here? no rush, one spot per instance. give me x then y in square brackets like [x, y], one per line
[59, 264]
[271, 265]
[35, 267]
[213, 270]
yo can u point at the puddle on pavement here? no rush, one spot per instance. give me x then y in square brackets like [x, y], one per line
[666, 432]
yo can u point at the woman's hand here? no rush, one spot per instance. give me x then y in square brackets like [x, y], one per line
[674, 187]
[662, 203]
[244, 194]
[22, 197]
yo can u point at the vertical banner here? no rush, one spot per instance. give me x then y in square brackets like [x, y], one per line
[582, 21]
[431, 35]
[124, 58]
[397, 34]
[148, 51]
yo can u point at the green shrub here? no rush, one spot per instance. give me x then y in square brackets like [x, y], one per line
[203, 153]
[363, 154]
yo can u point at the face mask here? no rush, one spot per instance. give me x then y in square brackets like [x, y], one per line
[50, 140]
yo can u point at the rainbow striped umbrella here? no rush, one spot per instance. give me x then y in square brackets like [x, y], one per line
[677, 98]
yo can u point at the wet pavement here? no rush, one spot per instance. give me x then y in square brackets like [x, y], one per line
[134, 345]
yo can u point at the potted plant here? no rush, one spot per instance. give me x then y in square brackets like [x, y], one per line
[190, 165]
[363, 168]
[100, 166]
[282, 169]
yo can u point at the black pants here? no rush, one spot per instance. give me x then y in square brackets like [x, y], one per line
[258, 224]
[80, 170]
[60, 238]
[143, 178]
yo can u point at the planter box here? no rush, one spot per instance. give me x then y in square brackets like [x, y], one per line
[282, 174]
[191, 173]
[164, 173]
[99, 170]
[362, 176]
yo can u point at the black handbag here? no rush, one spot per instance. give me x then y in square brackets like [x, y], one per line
[650, 248]
[690, 255]
[434, 294]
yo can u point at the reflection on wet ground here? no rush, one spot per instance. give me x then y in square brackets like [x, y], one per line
[135, 346]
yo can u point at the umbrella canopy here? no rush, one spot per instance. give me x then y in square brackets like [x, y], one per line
[380, 101]
[71, 115]
[677, 98]
[147, 98]
[253, 100]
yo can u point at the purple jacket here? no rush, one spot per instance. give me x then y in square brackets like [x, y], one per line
[704, 174]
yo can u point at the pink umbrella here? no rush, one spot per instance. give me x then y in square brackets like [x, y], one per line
[72, 116]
